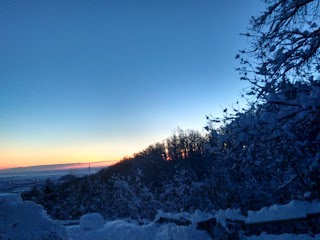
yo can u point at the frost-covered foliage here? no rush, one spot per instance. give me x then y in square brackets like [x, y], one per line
[272, 150]
[130, 192]
[185, 192]
[285, 45]
[132, 198]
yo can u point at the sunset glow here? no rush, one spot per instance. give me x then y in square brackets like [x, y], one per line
[98, 81]
[82, 153]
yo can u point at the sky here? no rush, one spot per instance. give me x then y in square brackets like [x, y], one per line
[91, 81]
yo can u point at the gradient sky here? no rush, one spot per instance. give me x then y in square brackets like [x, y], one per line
[85, 81]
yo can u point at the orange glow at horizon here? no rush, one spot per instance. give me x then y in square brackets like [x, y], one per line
[25, 156]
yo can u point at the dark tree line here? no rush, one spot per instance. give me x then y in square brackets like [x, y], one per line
[164, 176]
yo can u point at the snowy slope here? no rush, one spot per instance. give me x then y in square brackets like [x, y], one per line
[122, 230]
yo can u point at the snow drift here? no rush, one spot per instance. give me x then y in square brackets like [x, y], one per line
[122, 230]
[27, 220]
[292, 210]
[91, 221]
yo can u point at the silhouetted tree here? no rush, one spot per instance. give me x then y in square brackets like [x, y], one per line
[284, 45]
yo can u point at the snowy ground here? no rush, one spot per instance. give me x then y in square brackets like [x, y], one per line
[264, 236]
[23, 220]
[122, 230]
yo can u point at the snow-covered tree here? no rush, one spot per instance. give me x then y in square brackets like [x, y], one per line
[274, 147]
[285, 46]
[184, 192]
[270, 151]
[283, 66]
[132, 198]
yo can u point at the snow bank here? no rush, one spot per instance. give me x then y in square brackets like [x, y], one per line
[21, 220]
[265, 236]
[91, 221]
[197, 216]
[294, 209]
[122, 230]
[229, 214]
[174, 232]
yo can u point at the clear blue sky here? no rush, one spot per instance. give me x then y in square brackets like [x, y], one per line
[98, 80]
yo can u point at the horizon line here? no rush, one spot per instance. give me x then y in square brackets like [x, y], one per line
[55, 165]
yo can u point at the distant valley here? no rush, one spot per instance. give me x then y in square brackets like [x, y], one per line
[20, 179]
